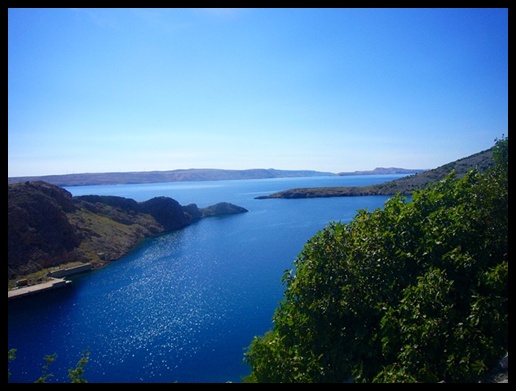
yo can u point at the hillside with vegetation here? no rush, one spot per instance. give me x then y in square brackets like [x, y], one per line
[412, 292]
[47, 227]
[481, 161]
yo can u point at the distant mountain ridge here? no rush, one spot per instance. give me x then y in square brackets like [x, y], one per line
[383, 171]
[193, 174]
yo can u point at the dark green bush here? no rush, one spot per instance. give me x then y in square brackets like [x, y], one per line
[413, 292]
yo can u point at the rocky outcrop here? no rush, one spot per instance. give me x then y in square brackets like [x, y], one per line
[193, 211]
[221, 209]
[167, 211]
[48, 227]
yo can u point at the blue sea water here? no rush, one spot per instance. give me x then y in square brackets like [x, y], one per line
[183, 306]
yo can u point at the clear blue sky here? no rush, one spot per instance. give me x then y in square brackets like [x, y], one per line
[115, 90]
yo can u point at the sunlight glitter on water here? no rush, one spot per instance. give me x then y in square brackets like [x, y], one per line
[178, 302]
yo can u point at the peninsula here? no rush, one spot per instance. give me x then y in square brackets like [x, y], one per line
[405, 185]
[47, 227]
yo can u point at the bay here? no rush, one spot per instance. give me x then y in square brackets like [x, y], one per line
[183, 306]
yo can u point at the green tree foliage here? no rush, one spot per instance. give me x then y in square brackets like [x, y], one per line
[413, 292]
[76, 375]
[11, 355]
[49, 359]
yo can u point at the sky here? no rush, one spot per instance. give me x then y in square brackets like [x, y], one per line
[344, 89]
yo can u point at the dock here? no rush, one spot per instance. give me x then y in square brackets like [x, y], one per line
[29, 290]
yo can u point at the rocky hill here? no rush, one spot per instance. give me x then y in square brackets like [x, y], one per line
[406, 185]
[47, 226]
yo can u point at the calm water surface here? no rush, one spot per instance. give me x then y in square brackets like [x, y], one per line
[183, 306]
